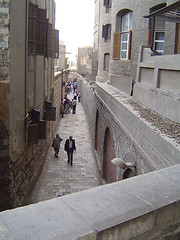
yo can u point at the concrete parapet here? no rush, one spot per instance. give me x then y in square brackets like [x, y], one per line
[143, 207]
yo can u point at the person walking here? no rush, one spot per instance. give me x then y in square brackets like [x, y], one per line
[62, 109]
[70, 147]
[56, 144]
[74, 106]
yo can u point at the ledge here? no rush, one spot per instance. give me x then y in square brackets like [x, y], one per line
[132, 207]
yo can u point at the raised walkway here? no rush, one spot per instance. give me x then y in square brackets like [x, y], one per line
[57, 177]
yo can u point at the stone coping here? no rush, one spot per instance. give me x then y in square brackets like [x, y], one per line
[138, 201]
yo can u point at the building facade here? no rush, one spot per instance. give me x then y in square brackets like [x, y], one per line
[30, 95]
[83, 54]
[134, 99]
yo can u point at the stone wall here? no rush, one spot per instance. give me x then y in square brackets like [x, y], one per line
[24, 173]
[4, 40]
[4, 104]
[132, 132]
[142, 207]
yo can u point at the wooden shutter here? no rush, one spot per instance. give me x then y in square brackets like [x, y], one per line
[50, 115]
[35, 115]
[129, 44]
[32, 29]
[55, 43]
[49, 39]
[41, 47]
[149, 37]
[116, 45]
[32, 134]
[47, 105]
[177, 42]
[42, 129]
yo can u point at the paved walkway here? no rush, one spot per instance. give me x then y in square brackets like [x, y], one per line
[57, 177]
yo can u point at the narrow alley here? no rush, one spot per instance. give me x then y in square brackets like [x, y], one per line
[57, 177]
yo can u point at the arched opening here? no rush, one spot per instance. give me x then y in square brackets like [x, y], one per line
[108, 154]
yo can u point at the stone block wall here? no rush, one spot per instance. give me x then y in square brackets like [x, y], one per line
[131, 131]
[4, 40]
[24, 173]
[4, 104]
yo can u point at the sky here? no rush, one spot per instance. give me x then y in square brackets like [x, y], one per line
[75, 22]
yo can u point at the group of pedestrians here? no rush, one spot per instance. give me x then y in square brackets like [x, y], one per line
[67, 105]
[69, 147]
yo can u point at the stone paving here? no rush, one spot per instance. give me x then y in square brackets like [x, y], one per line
[57, 177]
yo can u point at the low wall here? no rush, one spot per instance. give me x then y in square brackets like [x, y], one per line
[157, 83]
[143, 207]
[159, 150]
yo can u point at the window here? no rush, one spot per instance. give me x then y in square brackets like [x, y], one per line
[107, 4]
[156, 31]
[42, 38]
[83, 60]
[106, 31]
[122, 40]
[159, 41]
[126, 26]
[106, 61]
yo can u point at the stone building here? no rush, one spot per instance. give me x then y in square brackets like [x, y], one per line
[29, 94]
[61, 62]
[134, 100]
[83, 54]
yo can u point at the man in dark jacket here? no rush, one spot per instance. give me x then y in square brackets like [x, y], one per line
[56, 144]
[70, 147]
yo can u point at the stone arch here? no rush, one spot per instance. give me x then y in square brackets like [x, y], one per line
[118, 18]
[108, 154]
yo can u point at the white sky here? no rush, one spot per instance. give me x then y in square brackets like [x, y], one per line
[75, 22]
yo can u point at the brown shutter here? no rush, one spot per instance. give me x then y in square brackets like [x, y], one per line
[32, 29]
[32, 134]
[55, 43]
[49, 39]
[41, 32]
[149, 37]
[50, 115]
[35, 115]
[177, 41]
[129, 48]
[116, 45]
[42, 129]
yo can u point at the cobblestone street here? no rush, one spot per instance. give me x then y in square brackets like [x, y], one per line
[57, 177]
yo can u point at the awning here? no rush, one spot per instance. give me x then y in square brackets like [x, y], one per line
[170, 13]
